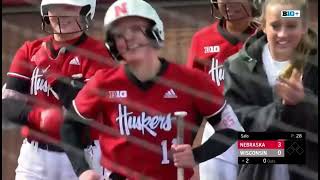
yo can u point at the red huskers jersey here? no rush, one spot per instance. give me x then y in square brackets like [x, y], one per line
[24, 68]
[145, 111]
[211, 46]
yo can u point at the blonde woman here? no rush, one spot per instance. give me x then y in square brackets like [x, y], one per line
[273, 82]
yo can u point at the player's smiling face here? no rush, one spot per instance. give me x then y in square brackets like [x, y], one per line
[283, 33]
[132, 43]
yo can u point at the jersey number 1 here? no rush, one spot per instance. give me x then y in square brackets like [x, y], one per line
[164, 148]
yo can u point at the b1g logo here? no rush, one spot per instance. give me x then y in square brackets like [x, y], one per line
[117, 94]
[290, 13]
[211, 49]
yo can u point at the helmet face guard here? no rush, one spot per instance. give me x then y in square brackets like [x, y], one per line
[83, 21]
[133, 8]
[232, 11]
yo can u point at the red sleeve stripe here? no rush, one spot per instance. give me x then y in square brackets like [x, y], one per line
[217, 112]
[18, 75]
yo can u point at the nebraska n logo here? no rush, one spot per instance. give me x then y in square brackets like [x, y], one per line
[122, 9]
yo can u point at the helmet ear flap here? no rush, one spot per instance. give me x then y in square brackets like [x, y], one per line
[214, 3]
[46, 19]
[213, 8]
[84, 12]
[111, 46]
[154, 35]
[44, 22]
[86, 20]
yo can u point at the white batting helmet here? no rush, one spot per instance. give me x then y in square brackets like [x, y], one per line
[87, 13]
[127, 8]
[82, 3]
[140, 8]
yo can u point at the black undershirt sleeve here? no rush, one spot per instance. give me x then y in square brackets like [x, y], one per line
[17, 111]
[74, 132]
[75, 137]
[217, 144]
[13, 109]
[18, 84]
[67, 89]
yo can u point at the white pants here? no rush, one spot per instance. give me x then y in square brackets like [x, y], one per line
[39, 164]
[93, 157]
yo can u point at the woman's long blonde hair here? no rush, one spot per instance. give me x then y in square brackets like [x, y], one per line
[308, 41]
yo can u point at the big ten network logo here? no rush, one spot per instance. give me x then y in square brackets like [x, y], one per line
[211, 49]
[290, 13]
[117, 94]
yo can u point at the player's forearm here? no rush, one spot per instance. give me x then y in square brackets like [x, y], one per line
[15, 107]
[221, 140]
[72, 132]
[217, 144]
[67, 89]
[15, 110]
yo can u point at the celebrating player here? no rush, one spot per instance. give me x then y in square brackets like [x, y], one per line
[210, 47]
[138, 101]
[264, 98]
[34, 93]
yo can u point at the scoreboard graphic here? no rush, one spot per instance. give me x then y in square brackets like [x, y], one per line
[271, 148]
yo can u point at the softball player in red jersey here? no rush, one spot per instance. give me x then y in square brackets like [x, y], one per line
[136, 101]
[210, 47]
[33, 98]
